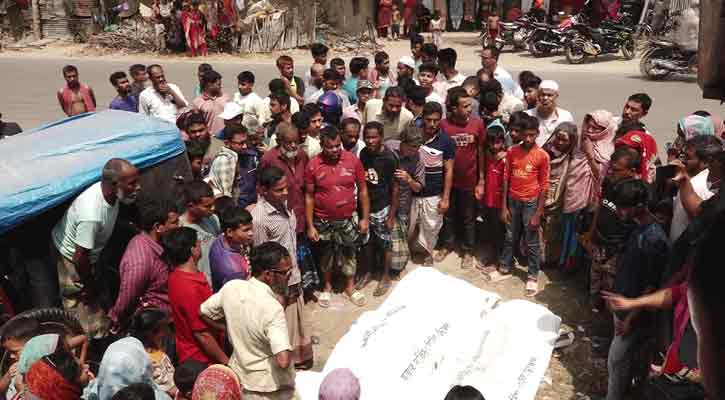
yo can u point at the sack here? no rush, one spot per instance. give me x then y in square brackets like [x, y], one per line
[662, 388]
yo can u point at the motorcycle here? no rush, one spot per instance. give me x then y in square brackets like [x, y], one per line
[663, 58]
[546, 39]
[513, 34]
[610, 38]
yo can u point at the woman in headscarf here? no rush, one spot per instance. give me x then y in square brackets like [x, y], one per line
[56, 376]
[588, 165]
[124, 362]
[560, 147]
[217, 382]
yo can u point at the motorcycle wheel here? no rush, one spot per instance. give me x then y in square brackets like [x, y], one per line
[575, 52]
[648, 69]
[534, 51]
[629, 49]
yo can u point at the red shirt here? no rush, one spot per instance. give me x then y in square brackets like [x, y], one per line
[335, 185]
[527, 172]
[186, 293]
[295, 181]
[493, 195]
[467, 139]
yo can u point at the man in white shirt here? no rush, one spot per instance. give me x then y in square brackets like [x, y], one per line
[252, 105]
[546, 111]
[449, 76]
[390, 111]
[252, 314]
[79, 238]
[489, 61]
[162, 100]
[694, 181]
[313, 90]
[406, 68]
[427, 73]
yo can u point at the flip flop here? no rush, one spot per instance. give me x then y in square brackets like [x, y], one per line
[496, 276]
[383, 287]
[324, 299]
[362, 283]
[357, 298]
[532, 288]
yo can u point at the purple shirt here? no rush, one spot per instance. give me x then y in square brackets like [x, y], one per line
[130, 104]
[226, 264]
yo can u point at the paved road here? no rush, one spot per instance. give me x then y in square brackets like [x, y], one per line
[29, 85]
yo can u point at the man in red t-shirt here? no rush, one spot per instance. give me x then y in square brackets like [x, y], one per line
[469, 135]
[331, 179]
[526, 181]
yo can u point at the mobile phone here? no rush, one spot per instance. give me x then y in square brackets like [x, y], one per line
[667, 171]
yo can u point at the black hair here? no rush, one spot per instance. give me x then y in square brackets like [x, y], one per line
[395, 91]
[492, 85]
[117, 76]
[374, 125]
[276, 85]
[64, 362]
[631, 193]
[177, 244]
[706, 146]
[337, 62]
[146, 322]
[643, 99]
[702, 113]
[429, 67]
[488, 101]
[626, 152]
[329, 132]
[350, 121]
[229, 132]
[186, 374]
[406, 82]
[495, 132]
[194, 191]
[70, 68]
[524, 75]
[300, 120]
[464, 393]
[20, 328]
[269, 176]
[204, 67]
[495, 52]
[318, 49]
[195, 117]
[311, 109]
[282, 98]
[136, 68]
[358, 64]
[628, 126]
[266, 256]
[416, 39]
[530, 81]
[447, 56]
[531, 123]
[245, 76]
[432, 107]
[454, 96]
[135, 391]
[194, 149]
[429, 49]
[222, 203]
[154, 211]
[330, 75]
[209, 77]
[381, 56]
[284, 59]
[516, 120]
[152, 66]
[417, 95]
[234, 217]
[471, 81]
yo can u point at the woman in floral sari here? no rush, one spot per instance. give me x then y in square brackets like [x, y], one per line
[194, 30]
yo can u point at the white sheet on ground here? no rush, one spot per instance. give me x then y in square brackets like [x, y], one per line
[435, 331]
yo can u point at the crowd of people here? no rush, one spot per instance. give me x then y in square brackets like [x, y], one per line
[349, 174]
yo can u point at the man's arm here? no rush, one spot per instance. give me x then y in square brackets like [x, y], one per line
[310, 212]
[93, 97]
[217, 325]
[364, 200]
[659, 300]
[210, 346]
[480, 186]
[505, 216]
[60, 102]
[447, 186]
[210, 310]
[179, 99]
[688, 197]
[279, 339]
[543, 180]
[394, 202]
[134, 271]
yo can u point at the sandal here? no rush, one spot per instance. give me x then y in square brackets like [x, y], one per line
[324, 299]
[362, 283]
[497, 276]
[357, 298]
[441, 255]
[383, 287]
[532, 288]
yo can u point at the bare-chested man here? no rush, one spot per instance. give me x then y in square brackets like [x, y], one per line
[75, 98]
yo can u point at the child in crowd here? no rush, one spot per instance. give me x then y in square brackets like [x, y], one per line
[200, 217]
[474, 90]
[16, 334]
[380, 165]
[493, 194]
[228, 253]
[152, 327]
[185, 376]
[195, 152]
[200, 71]
[437, 26]
[359, 68]
[427, 75]
[397, 18]
[382, 76]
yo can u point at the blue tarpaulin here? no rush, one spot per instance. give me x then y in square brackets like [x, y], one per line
[40, 169]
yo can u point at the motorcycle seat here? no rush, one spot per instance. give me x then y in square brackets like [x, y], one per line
[663, 43]
[542, 25]
[509, 25]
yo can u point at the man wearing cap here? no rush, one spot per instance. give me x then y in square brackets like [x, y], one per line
[231, 118]
[364, 92]
[546, 111]
[390, 111]
[211, 101]
[406, 67]
[489, 62]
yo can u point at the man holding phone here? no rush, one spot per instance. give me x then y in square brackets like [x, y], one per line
[162, 100]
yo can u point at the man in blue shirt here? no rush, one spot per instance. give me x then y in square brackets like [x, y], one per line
[124, 101]
[358, 71]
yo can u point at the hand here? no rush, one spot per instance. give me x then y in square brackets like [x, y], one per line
[13, 370]
[443, 206]
[403, 176]
[535, 220]
[262, 148]
[164, 88]
[586, 242]
[617, 302]
[364, 226]
[680, 171]
[622, 328]
[312, 234]
[480, 189]
[115, 328]
[505, 215]
[86, 375]
[390, 222]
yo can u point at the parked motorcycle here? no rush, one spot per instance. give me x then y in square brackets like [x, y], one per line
[546, 39]
[512, 34]
[610, 38]
[663, 58]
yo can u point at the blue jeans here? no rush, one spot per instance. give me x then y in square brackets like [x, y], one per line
[520, 214]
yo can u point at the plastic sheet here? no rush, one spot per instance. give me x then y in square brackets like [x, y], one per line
[40, 169]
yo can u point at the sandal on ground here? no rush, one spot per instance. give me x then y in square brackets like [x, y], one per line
[357, 298]
[362, 283]
[487, 269]
[532, 288]
[498, 276]
[383, 287]
[441, 255]
[323, 300]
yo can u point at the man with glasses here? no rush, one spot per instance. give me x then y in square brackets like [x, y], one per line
[547, 112]
[224, 171]
[252, 314]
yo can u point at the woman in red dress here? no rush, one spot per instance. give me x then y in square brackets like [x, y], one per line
[385, 17]
[409, 16]
[194, 30]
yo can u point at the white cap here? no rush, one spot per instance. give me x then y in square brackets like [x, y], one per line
[231, 111]
[407, 61]
[549, 84]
